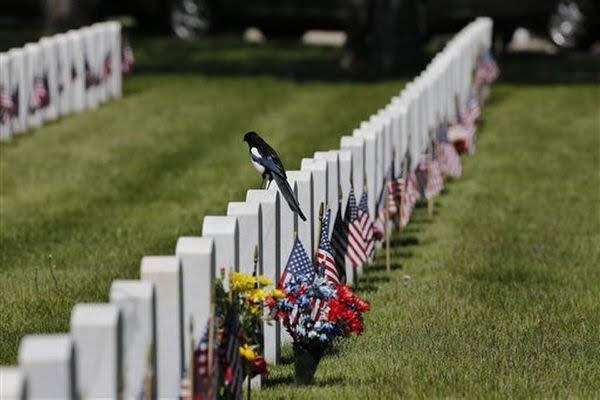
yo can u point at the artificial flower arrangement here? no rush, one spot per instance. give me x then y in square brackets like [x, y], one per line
[316, 311]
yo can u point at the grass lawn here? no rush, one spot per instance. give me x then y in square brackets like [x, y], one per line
[83, 199]
[496, 296]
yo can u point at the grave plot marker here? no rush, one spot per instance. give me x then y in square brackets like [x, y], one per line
[270, 205]
[333, 180]
[345, 157]
[370, 167]
[17, 89]
[48, 47]
[75, 39]
[288, 225]
[319, 169]
[33, 71]
[96, 331]
[225, 233]
[137, 302]
[5, 124]
[357, 146]
[197, 257]
[48, 362]
[165, 273]
[303, 182]
[13, 384]
[249, 218]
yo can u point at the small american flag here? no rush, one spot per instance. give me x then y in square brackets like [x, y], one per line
[127, 58]
[339, 243]
[366, 224]
[107, 71]
[435, 181]
[325, 252]
[356, 241]
[298, 266]
[206, 375]
[39, 95]
[6, 106]
[91, 79]
[487, 69]
[449, 160]
[232, 361]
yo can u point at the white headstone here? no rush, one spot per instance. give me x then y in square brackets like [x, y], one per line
[165, 273]
[76, 49]
[13, 385]
[49, 50]
[64, 68]
[17, 89]
[333, 181]
[114, 41]
[92, 70]
[33, 72]
[197, 255]
[370, 167]
[319, 169]
[5, 123]
[288, 227]
[345, 156]
[357, 146]
[102, 56]
[249, 217]
[303, 182]
[48, 362]
[225, 233]
[96, 331]
[269, 203]
[137, 303]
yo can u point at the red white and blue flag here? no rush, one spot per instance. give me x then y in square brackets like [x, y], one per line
[356, 241]
[325, 257]
[366, 224]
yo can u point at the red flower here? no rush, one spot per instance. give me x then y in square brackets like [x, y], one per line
[259, 367]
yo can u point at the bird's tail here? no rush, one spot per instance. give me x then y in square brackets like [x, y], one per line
[288, 194]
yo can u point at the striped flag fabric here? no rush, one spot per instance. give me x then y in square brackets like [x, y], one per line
[339, 243]
[127, 58]
[356, 241]
[204, 373]
[107, 70]
[39, 95]
[435, 181]
[450, 164]
[366, 225]
[393, 193]
[325, 253]
[299, 265]
[6, 106]
[232, 361]
[488, 68]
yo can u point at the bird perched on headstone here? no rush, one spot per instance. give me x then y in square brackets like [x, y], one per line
[266, 161]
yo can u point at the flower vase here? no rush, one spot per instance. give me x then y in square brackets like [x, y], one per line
[306, 361]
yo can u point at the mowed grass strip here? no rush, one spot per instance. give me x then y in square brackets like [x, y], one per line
[498, 295]
[84, 198]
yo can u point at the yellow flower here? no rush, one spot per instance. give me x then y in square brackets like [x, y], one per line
[257, 296]
[264, 281]
[248, 353]
[277, 294]
[241, 282]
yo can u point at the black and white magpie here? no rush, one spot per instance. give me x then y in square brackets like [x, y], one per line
[266, 161]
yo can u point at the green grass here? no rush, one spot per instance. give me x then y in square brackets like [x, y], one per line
[497, 296]
[83, 199]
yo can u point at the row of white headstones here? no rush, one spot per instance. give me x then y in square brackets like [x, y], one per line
[61, 60]
[118, 348]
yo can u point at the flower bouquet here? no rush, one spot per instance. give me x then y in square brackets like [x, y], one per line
[315, 310]
[240, 310]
